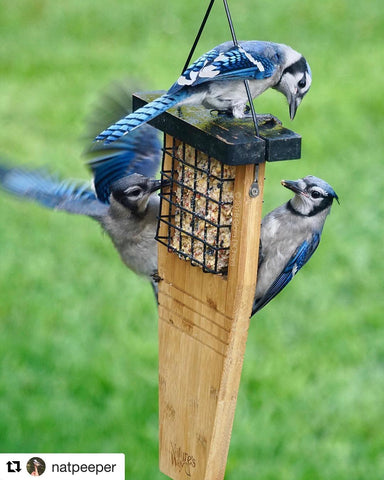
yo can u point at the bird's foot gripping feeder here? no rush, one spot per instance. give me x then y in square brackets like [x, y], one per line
[209, 229]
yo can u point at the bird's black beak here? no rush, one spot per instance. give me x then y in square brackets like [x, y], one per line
[155, 185]
[293, 104]
[166, 182]
[293, 185]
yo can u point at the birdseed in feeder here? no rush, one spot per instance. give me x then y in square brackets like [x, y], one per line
[203, 201]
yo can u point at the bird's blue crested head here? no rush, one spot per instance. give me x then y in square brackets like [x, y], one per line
[308, 69]
[312, 195]
[134, 191]
[311, 180]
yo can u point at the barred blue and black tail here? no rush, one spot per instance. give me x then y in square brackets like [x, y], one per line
[141, 116]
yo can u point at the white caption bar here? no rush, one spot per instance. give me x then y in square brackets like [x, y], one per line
[62, 466]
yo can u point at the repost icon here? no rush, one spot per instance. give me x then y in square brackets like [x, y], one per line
[62, 466]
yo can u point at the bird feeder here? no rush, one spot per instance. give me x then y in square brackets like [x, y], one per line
[208, 234]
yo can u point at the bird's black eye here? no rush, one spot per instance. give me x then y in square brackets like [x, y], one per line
[302, 82]
[133, 192]
[315, 194]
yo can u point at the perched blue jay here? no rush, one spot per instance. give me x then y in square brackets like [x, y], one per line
[123, 199]
[216, 81]
[290, 234]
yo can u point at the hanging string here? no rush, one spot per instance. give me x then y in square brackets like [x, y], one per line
[235, 42]
[231, 27]
[198, 34]
[246, 82]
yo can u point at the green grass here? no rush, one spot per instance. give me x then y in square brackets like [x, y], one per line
[78, 331]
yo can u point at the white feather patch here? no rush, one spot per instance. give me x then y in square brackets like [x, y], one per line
[188, 81]
[258, 64]
[211, 71]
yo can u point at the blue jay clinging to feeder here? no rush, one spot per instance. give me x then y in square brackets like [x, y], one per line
[216, 81]
[123, 200]
[290, 234]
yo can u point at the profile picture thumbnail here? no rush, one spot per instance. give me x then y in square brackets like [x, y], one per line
[35, 466]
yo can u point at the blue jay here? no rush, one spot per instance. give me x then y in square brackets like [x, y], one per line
[216, 81]
[290, 234]
[122, 200]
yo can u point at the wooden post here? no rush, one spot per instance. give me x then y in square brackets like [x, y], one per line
[204, 317]
[203, 326]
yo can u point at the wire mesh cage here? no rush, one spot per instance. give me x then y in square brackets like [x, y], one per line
[198, 216]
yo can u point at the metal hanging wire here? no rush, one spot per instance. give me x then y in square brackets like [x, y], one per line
[198, 35]
[235, 42]
[246, 82]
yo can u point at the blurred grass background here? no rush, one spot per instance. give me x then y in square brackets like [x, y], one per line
[78, 331]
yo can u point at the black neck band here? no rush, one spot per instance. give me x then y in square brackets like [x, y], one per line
[295, 212]
[323, 205]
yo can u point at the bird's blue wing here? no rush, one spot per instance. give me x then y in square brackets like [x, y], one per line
[46, 189]
[301, 256]
[190, 75]
[233, 63]
[137, 152]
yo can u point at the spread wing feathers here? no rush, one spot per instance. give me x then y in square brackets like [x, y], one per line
[138, 152]
[125, 156]
[140, 116]
[49, 191]
[112, 105]
[301, 256]
[234, 63]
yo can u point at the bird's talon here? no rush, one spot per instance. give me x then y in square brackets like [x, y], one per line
[264, 119]
[156, 277]
[221, 113]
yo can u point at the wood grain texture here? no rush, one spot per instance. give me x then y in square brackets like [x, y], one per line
[203, 327]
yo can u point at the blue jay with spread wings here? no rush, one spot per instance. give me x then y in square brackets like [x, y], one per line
[216, 81]
[289, 236]
[123, 198]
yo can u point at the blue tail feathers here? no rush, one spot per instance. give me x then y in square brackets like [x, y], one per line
[140, 116]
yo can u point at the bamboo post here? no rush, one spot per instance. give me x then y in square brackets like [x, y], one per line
[204, 317]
